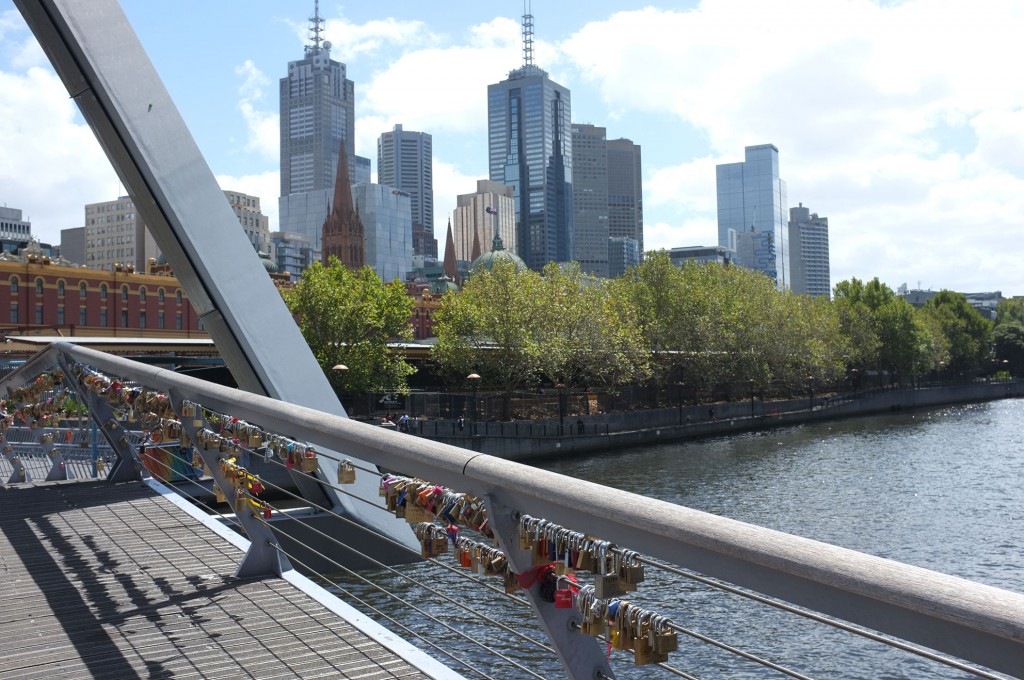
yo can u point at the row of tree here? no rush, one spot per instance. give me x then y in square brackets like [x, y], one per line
[699, 325]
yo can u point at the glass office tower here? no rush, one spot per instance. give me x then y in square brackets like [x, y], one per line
[530, 149]
[752, 205]
[317, 113]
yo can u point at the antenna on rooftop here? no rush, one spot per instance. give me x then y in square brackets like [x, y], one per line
[316, 28]
[527, 34]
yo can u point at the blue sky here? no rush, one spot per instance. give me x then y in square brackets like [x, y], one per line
[902, 122]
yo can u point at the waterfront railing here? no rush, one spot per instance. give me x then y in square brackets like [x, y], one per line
[588, 561]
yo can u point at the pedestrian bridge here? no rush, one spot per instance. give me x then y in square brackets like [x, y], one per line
[109, 572]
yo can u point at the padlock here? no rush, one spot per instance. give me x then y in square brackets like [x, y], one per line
[511, 582]
[266, 512]
[607, 586]
[563, 596]
[101, 465]
[218, 494]
[309, 461]
[346, 473]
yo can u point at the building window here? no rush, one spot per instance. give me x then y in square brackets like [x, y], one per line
[83, 290]
[160, 295]
[177, 295]
[14, 312]
[60, 315]
[103, 293]
[60, 289]
[160, 319]
[39, 314]
[83, 320]
[177, 319]
[14, 285]
[124, 293]
[142, 319]
[39, 286]
[142, 294]
[103, 317]
[124, 318]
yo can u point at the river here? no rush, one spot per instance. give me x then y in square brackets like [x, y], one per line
[941, 489]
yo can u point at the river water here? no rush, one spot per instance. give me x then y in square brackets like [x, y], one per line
[941, 489]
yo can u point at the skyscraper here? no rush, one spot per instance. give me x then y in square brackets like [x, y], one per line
[590, 198]
[482, 215]
[386, 214]
[317, 115]
[405, 162]
[808, 246]
[625, 191]
[530, 149]
[752, 206]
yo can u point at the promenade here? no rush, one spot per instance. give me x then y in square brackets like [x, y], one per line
[118, 581]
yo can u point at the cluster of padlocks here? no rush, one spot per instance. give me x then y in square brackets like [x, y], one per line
[557, 555]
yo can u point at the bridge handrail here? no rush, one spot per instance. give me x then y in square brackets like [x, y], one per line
[963, 618]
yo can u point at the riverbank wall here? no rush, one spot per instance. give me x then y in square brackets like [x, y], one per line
[525, 440]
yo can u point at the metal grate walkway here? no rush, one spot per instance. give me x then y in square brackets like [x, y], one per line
[114, 581]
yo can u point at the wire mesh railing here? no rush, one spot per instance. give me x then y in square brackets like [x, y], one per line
[498, 574]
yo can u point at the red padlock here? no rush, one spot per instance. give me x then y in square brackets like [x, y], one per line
[563, 598]
[266, 512]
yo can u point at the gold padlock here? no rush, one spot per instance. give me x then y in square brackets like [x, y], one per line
[346, 473]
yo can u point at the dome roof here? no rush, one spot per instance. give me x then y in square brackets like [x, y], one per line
[497, 254]
[268, 264]
[443, 285]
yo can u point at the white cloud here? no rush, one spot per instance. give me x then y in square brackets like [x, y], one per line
[51, 164]
[449, 182]
[263, 125]
[352, 41]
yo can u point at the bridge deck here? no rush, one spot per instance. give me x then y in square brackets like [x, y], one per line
[114, 581]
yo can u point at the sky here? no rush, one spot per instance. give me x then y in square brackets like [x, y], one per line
[902, 122]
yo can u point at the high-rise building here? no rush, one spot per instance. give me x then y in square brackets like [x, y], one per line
[530, 148]
[12, 226]
[116, 235]
[386, 213]
[808, 247]
[405, 162]
[590, 198]
[489, 211]
[255, 224]
[623, 253]
[72, 244]
[625, 191]
[752, 203]
[317, 116]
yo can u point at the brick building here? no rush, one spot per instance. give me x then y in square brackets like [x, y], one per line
[43, 296]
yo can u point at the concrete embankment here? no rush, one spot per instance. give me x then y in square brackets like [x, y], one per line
[523, 440]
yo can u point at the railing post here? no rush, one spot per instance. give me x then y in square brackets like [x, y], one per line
[58, 465]
[128, 466]
[18, 472]
[581, 656]
[263, 557]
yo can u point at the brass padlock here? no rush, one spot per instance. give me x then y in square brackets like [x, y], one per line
[346, 473]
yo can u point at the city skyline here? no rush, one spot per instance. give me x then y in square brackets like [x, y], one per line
[900, 122]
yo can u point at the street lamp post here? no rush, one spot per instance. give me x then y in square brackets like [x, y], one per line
[810, 391]
[751, 397]
[474, 380]
[341, 369]
[561, 407]
[679, 399]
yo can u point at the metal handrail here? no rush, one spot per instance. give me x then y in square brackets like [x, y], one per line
[962, 618]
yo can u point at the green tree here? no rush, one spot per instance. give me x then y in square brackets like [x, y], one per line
[1008, 338]
[968, 333]
[349, 317]
[655, 290]
[1010, 310]
[491, 328]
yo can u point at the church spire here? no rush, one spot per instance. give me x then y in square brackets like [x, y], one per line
[451, 267]
[343, 229]
[476, 251]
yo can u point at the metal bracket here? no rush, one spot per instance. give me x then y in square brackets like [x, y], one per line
[263, 558]
[580, 655]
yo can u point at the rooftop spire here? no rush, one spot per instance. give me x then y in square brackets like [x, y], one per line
[316, 28]
[527, 34]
